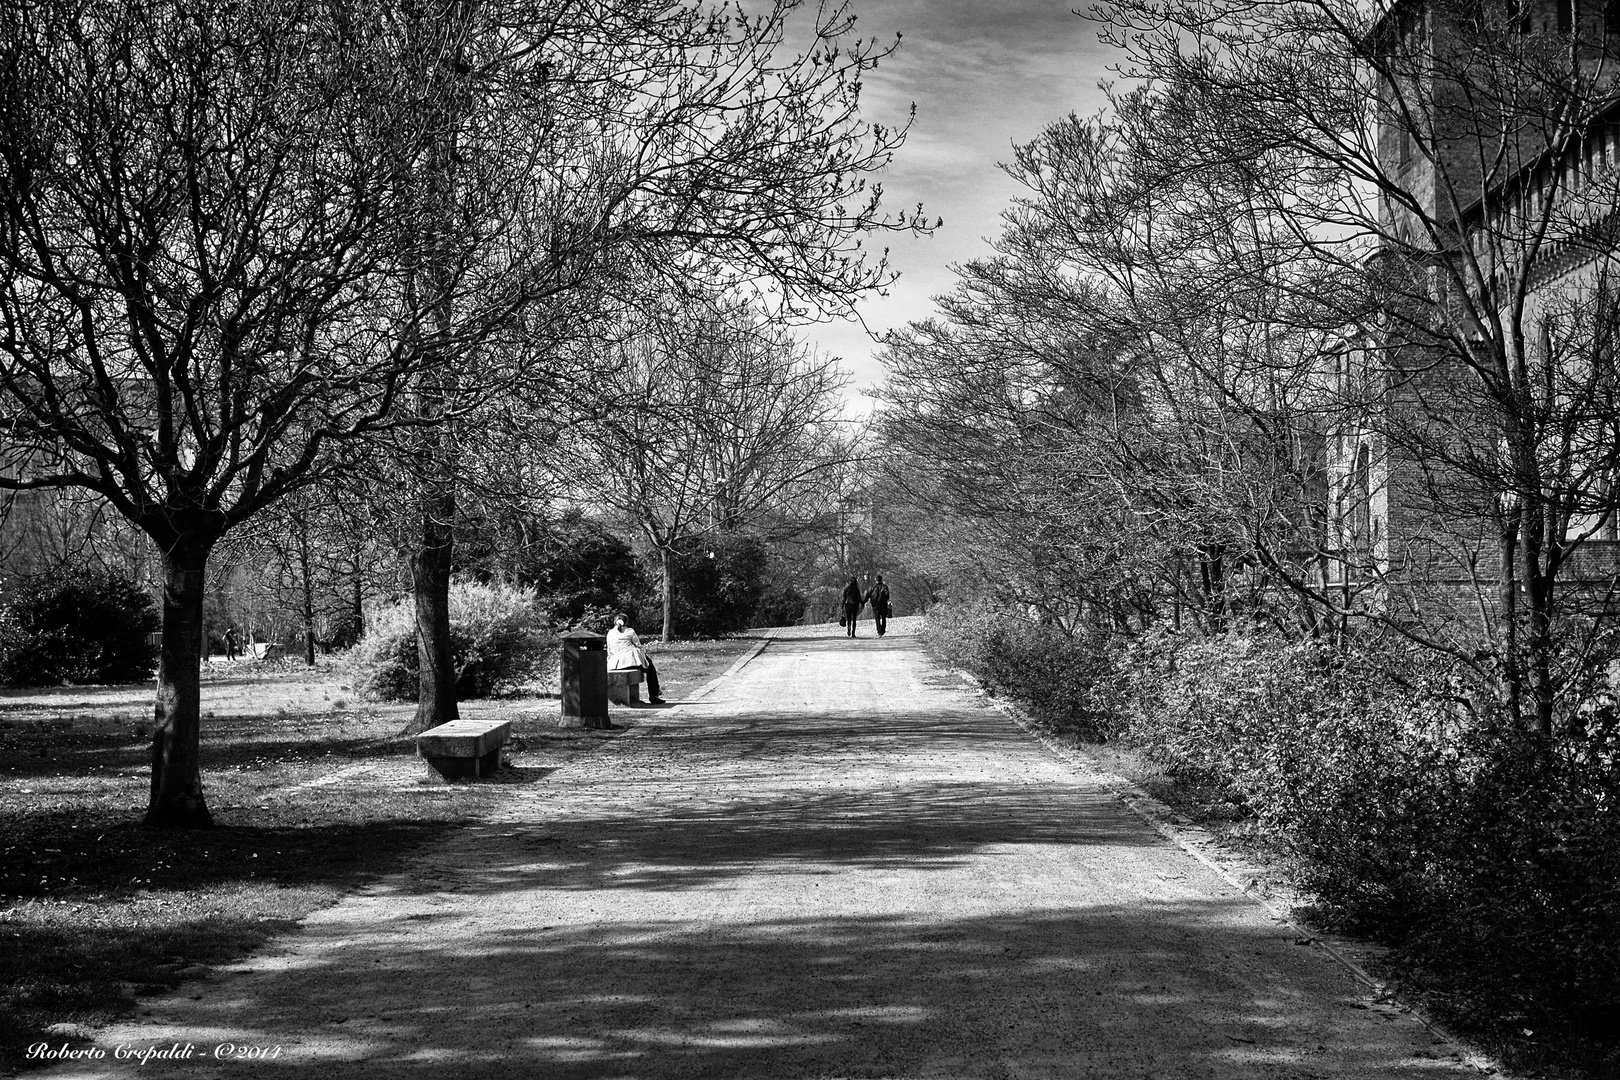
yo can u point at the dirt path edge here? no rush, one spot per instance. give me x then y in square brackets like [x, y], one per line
[1202, 845]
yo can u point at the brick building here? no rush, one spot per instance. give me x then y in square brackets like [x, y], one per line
[1496, 203]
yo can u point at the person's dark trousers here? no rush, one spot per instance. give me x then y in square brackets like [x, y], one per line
[652, 679]
[850, 614]
[882, 621]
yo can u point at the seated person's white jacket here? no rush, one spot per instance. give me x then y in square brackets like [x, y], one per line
[624, 650]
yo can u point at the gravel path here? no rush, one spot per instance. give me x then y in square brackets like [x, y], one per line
[839, 863]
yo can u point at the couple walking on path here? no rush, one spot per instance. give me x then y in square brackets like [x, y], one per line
[854, 600]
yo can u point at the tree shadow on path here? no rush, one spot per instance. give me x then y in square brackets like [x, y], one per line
[1159, 991]
[774, 891]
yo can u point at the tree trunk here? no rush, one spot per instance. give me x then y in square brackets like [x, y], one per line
[430, 564]
[1510, 685]
[1538, 602]
[1213, 568]
[308, 589]
[430, 572]
[669, 595]
[359, 608]
[177, 797]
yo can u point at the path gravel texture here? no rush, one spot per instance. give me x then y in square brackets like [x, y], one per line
[838, 863]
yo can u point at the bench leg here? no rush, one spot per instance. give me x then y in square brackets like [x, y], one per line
[466, 768]
[453, 768]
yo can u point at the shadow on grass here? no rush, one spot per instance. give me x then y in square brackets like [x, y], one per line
[137, 695]
[144, 907]
[519, 774]
[89, 753]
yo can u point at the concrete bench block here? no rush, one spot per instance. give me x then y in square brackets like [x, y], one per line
[624, 687]
[464, 748]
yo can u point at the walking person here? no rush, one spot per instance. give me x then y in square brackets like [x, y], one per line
[852, 606]
[626, 653]
[878, 597]
[230, 643]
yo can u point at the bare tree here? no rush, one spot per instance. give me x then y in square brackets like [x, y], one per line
[1101, 428]
[681, 145]
[715, 420]
[1454, 163]
[313, 557]
[195, 303]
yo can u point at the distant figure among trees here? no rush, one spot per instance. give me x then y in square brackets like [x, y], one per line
[878, 597]
[852, 605]
[626, 653]
[231, 644]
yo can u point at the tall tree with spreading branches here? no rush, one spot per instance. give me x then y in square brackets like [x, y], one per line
[719, 420]
[684, 147]
[1453, 164]
[201, 275]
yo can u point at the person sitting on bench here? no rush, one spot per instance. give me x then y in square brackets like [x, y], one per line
[625, 652]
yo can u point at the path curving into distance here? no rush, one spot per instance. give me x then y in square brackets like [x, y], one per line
[837, 863]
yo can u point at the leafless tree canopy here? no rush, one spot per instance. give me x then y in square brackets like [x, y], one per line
[1318, 319]
[716, 419]
[240, 241]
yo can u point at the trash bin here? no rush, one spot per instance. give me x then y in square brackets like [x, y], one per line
[584, 680]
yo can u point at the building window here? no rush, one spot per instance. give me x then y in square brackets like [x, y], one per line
[1361, 501]
[1566, 16]
[1611, 17]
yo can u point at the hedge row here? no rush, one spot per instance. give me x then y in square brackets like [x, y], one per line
[84, 626]
[1490, 856]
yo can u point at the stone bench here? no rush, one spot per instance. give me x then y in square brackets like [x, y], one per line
[464, 748]
[624, 687]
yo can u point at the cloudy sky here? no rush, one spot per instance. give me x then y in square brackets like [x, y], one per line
[984, 74]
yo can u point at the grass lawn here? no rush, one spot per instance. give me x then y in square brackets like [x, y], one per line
[312, 792]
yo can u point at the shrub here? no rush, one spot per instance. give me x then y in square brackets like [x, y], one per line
[781, 605]
[718, 586]
[1488, 855]
[574, 563]
[596, 618]
[1337, 754]
[498, 638]
[585, 569]
[1064, 678]
[78, 626]
[343, 631]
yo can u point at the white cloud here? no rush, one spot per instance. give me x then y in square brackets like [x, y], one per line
[984, 75]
